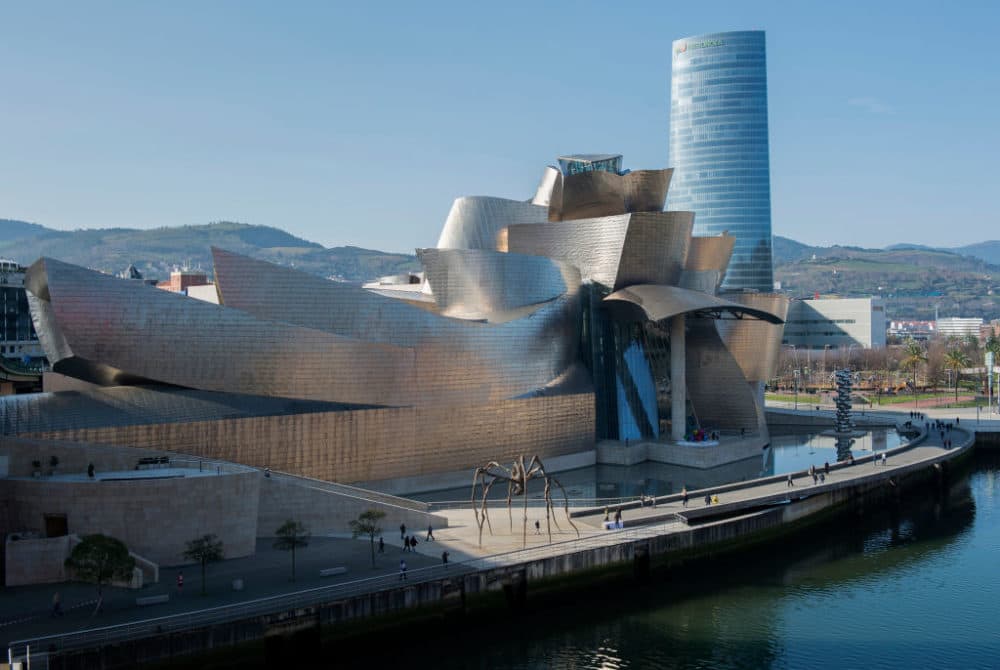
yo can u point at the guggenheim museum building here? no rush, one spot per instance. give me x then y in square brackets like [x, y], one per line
[537, 327]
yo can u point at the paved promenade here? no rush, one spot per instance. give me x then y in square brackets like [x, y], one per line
[24, 611]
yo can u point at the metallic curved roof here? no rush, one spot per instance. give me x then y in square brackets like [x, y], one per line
[657, 302]
[645, 247]
[474, 221]
[755, 344]
[598, 193]
[101, 323]
[477, 283]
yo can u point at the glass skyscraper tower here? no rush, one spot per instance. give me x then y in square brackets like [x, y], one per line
[719, 147]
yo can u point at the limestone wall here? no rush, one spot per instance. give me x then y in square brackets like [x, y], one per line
[36, 560]
[153, 517]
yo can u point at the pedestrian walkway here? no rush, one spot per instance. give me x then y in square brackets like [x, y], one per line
[25, 610]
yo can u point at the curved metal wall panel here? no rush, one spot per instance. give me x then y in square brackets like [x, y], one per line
[646, 190]
[587, 195]
[474, 282]
[719, 392]
[647, 247]
[474, 221]
[158, 335]
[599, 193]
[549, 188]
[755, 344]
[508, 358]
[710, 253]
[655, 248]
[656, 303]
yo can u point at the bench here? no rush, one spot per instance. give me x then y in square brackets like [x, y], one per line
[330, 572]
[152, 461]
[152, 600]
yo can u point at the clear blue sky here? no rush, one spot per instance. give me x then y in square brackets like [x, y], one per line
[359, 123]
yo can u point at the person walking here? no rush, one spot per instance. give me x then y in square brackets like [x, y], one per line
[684, 497]
[826, 467]
[381, 545]
[883, 459]
[402, 569]
[180, 582]
[790, 483]
[708, 500]
[538, 527]
[815, 478]
[402, 531]
[618, 517]
[406, 543]
[56, 605]
[430, 534]
[444, 558]
[413, 543]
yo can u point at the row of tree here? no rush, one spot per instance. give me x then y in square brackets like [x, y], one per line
[102, 559]
[880, 369]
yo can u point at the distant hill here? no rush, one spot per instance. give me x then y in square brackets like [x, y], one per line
[12, 229]
[913, 279]
[985, 251]
[156, 252]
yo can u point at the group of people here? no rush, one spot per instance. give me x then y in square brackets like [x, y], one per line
[409, 541]
[617, 523]
[944, 430]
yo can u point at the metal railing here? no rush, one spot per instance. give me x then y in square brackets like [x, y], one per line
[557, 502]
[95, 637]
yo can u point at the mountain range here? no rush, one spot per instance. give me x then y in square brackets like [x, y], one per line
[916, 281]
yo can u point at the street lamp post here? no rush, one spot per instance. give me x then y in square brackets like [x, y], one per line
[795, 376]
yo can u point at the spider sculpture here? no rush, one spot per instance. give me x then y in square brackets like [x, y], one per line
[517, 478]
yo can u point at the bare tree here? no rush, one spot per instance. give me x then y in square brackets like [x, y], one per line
[367, 523]
[290, 536]
[205, 549]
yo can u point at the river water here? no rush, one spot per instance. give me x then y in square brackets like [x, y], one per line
[909, 585]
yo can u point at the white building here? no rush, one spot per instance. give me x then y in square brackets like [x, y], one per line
[835, 323]
[958, 327]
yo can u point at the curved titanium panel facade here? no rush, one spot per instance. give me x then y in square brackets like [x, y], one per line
[474, 221]
[719, 147]
[477, 283]
[656, 303]
[648, 247]
[549, 188]
[710, 253]
[755, 344]
[229, 350]
[598, 193]
[717, 389]
[506, 359]
[646, 190]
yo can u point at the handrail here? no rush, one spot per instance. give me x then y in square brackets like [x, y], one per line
[533, 502]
